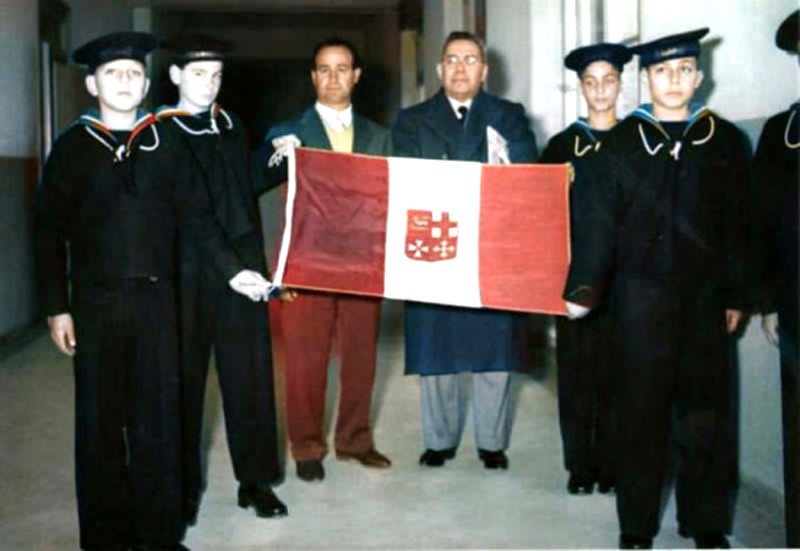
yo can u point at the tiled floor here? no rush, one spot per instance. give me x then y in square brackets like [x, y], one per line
[406, 507]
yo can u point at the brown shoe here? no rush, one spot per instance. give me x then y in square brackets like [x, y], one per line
[372, 458]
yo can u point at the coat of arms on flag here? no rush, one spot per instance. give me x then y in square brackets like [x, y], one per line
[431, 236]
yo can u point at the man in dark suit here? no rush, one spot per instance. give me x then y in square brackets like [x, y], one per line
[461, 122]
[776, 174]
[211, 314]
[310, 322]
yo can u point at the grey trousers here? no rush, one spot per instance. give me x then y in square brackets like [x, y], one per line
[444, 410]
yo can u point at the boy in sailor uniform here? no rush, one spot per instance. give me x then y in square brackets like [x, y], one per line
[667, 216]
[583, 346]
[114, 194]
[776, 174]
[212, 315]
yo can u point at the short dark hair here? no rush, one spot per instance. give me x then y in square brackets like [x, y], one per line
[332, 42]
[464, 35]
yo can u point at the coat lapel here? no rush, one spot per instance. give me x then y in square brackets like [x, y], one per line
[362, 136]
[312, 133]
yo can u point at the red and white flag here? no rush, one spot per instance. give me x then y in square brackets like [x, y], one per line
[448, 232]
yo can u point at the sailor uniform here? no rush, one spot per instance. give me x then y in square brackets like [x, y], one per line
[583, 347]
[668, 218]
[212, 315]
[776, 175]
[108, 218]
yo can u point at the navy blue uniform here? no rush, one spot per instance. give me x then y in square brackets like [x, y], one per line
[109, 211]
[667, 217]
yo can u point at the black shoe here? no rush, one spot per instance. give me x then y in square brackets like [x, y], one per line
[263, 500]
[605, 485]
[493, 460]
[436, 458]
[634, 542]
[310, 470]
[711, 541]
[190, 509]
[580, 485]
[151, 547]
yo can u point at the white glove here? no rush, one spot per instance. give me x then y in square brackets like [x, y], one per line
[576, 311]
[251, 284]
[769, 324]
[283, 145]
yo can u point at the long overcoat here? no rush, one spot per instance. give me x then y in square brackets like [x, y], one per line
[445, 339]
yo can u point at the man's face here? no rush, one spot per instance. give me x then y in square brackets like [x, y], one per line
[600, 85]
[462, 70]
[198, 84]
[672, 85]
[334, 77]
[119, 85]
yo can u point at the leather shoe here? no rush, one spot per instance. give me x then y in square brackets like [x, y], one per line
[580, 485]
[150, 547]
[263, 500]
[436, 458]
[493, 459]
[310, 470]
[605, 485]
[711, 541]
[371, 458]
[634, 542]
[191, 507]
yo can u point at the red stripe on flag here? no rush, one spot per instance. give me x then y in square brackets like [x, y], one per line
[524, 243]
[339, 226]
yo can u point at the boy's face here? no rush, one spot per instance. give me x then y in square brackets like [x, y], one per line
[600, 85]
[672, 85]
[119, 85]
[198, 83]
[334, 76]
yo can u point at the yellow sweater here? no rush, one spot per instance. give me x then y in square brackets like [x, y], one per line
[342, 142]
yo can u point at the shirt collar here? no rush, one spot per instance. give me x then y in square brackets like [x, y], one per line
[455, 104]
[337, 120]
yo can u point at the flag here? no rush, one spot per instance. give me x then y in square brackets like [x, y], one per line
[448, 232]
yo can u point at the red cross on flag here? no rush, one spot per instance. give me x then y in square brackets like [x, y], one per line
[430, 236]
[448, 232]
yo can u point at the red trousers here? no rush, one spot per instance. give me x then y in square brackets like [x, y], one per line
[309, 325]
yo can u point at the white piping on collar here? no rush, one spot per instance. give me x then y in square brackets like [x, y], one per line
[100, 139]
[652, 151]
[581, 152]
[786, 132]
[155, 144]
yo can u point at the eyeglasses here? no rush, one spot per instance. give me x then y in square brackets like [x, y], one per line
[452, 60]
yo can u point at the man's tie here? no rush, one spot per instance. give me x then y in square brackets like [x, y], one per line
[462, 112]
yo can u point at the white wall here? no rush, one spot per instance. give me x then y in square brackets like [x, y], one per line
[19, 80]
[525, 42]
[19, 144]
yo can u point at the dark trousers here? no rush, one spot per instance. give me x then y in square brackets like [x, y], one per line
[583, 353]
[127, 432]
[309, 325]
[213, 315]
[674, 360]
[790, 391]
